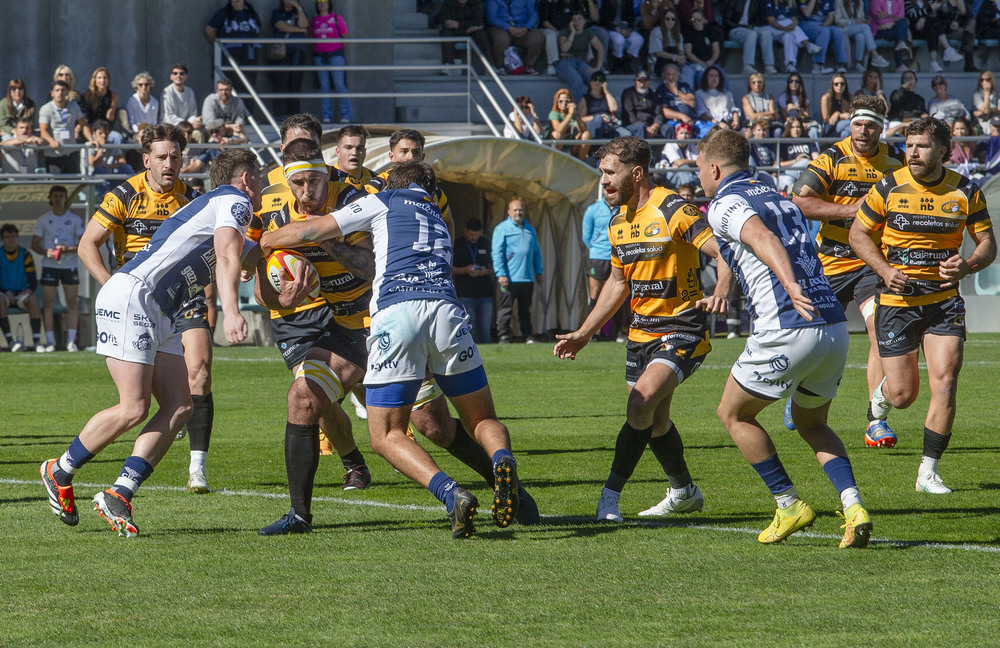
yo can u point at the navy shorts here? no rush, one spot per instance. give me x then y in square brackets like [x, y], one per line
[297, 333]
[55, 276]
[683, 352]
[193, 314]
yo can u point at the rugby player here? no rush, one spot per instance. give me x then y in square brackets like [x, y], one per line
[418, 327]
[798, 346]
[138, 310]
[352, 149]
[131, 213]
[919, 213]
[829, 191]
[655, 239]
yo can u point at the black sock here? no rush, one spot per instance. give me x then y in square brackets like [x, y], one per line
[464, 448]
[200, 424]
[669, 451]
[301, 462]
[36, 325]
[871, 417]
[5, 327]
[935, 444]
[353, 459]
[628, 449]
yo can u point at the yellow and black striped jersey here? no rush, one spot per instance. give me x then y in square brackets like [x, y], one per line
[346, 294]
[839, 176]
[366, 176]
[133, 211]
[656, 248]
[921, 226]
[277, 194]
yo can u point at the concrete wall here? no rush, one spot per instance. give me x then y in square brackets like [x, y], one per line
[128, 36]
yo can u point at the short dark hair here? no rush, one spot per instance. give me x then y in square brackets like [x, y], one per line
[179, 66]
[101, 124]
[58, 83]
[161, 133]
[631, 151]
[9, 227]
[300, 150]
[303, 121]
[353, 130]
[868, 102]
[224, 81]
[474, 225]
[405, 134]
[727, 146]
[938, 129]
[404, 174]
[229, 164]
[57, 189]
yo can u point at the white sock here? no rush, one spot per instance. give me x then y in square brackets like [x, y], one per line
[682, 493]
[786, 498]
[927, 466]
[50, 338]
[849, 497]
[70, 335]
[198, 458]
[64, 464]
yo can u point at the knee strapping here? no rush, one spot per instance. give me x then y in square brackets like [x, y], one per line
[320, 374]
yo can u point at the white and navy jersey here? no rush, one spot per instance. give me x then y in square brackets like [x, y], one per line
[415, 261]
[738, 199]
[179, 260]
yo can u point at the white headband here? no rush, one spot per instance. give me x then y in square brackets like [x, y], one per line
[864, 114]
[292, 168]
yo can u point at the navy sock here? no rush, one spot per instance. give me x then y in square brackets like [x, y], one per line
[628, 450]
[669, 451]
[501, 453]
[353, 459]
[773, 474]
[135, 470]
[464, 448]
[935, 444]
[839, 471]
[442, 487]
[200, 424]
[71, 461]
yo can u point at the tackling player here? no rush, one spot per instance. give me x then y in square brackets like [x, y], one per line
[655, 240]
[137, 310]
[131, 213]
[919, 213]
[798, 347]
[829, 191]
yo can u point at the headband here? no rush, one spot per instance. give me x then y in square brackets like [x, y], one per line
[292, 168]
[864, 114]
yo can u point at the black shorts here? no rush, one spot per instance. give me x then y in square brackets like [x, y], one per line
[859, 285]
[683, 352]
[900, 330]
[193, 314]
[297, 333]
[599, 269]
[55, 276]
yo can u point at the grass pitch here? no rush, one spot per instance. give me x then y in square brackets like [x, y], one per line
[380, 568]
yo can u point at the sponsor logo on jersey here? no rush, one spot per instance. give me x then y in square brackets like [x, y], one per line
[774, 382]
[779, 363]
[951, 207]
[144, 342]
[104, 313]
[807, 262]
[467, 354]
[851, 189]
[141, 320]
[384, 342]
[106, 338]
[652, 230]
[385, 364]
[241, 213]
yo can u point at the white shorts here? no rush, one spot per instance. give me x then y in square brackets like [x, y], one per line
[131, 326]
[804, 363]
[410, 338]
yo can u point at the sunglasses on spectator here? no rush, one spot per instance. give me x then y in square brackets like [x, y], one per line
[669, 19]
[791, 81]
[17, 87]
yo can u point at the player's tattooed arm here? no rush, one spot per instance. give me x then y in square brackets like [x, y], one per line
[359, 259]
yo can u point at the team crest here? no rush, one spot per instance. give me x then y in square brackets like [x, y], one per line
[951, 207]
[779, 363]
[384, 341]
[241, 213]
[144, 342]
[652, 230]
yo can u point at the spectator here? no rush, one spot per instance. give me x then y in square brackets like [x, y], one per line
[517, 263]
[651, 14]
[473, 275]
[238, 19]
[18, 105]
[191, 161]
[888, 22]
[17, 157]
[594, 233]
[794, 102]
[871, 85]
[783, 22]
[985, 100]
[794, 156]
[758, 104]
[17, 287]
[56, 236]
[289, 21]
[330, 25]
[641, 113]
[63, 73]
[835, 108]
[987, 26]
[619, 19]
[61, 122]
[565, 123]
[666, 45]
[963, 154]
[99, 101]
[925, 23]
[574, 44]
[959, 24]
[945, 106]
[465, 18]
[817, 23]
[761, 154]
[222, 105]
[677, 101]
[178, 101]
[850, 16]
[553, 17]
[905, 105]
[681, 156]
[719, 102]
[702, 47]
[142, 106]
[104, 161]
[744, 21]
[598, 109]
[514, 22]
[685, 9]
[522, 129]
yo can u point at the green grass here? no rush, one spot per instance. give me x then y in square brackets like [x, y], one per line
[380, 568]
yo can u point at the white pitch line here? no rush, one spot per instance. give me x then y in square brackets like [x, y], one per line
[569, 518]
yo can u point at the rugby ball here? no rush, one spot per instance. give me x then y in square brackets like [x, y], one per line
[286, 265]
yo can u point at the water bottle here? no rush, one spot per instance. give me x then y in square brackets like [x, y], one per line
[19, 337]
[56, 252]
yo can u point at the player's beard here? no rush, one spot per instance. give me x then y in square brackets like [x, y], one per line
[923, 172]
[621, 196]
